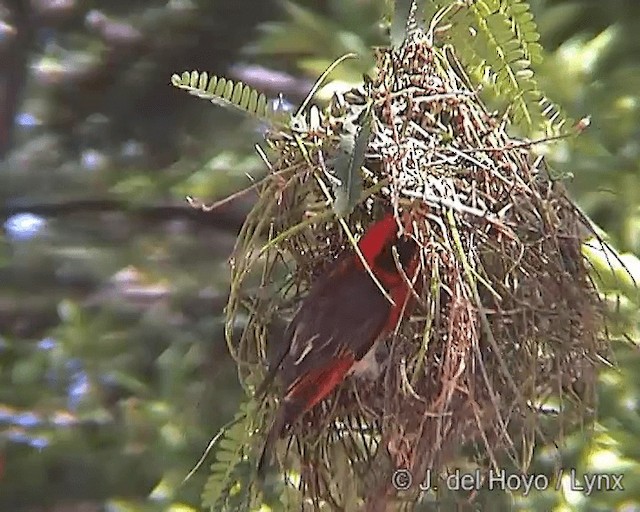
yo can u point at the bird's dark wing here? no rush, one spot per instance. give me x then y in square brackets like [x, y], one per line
[340, 319]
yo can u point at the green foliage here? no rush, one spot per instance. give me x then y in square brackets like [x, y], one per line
[497, 42]
[228, 487]
[600, 78]
[229, 94]
[113, 368]
[348, 163]
[315, 38]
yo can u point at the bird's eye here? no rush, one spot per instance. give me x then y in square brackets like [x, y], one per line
[406, 250]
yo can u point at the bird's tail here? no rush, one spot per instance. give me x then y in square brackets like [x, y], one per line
[272, 437]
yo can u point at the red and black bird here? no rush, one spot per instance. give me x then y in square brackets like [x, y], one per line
[339, 322]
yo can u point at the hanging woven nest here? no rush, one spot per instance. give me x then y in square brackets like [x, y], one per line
[506, 321]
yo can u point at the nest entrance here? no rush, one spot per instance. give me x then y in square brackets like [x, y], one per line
[507, 320]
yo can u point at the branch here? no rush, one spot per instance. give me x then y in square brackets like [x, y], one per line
[229, 217]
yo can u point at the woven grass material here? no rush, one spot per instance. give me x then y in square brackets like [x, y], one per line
[506, 317]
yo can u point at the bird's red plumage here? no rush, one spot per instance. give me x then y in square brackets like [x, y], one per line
[339, 321]
[316, 384]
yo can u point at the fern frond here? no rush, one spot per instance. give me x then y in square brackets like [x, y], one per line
[555, 116]
[524, 28]
[510, 70]
[229, 485]
[500, 52]
[229, 94]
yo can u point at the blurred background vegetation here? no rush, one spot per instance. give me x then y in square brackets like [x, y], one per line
[114, 374]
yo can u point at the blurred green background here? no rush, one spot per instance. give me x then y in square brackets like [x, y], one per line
[114, 373]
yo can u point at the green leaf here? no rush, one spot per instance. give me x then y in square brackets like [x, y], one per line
[347, 165]
[499, 54]
[229, 94]
[401, 12]
[228, 486]
[614, 272]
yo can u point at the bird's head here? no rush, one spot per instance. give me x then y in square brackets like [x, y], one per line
[378, 242]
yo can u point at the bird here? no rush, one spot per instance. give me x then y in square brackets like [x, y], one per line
[339, 322]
